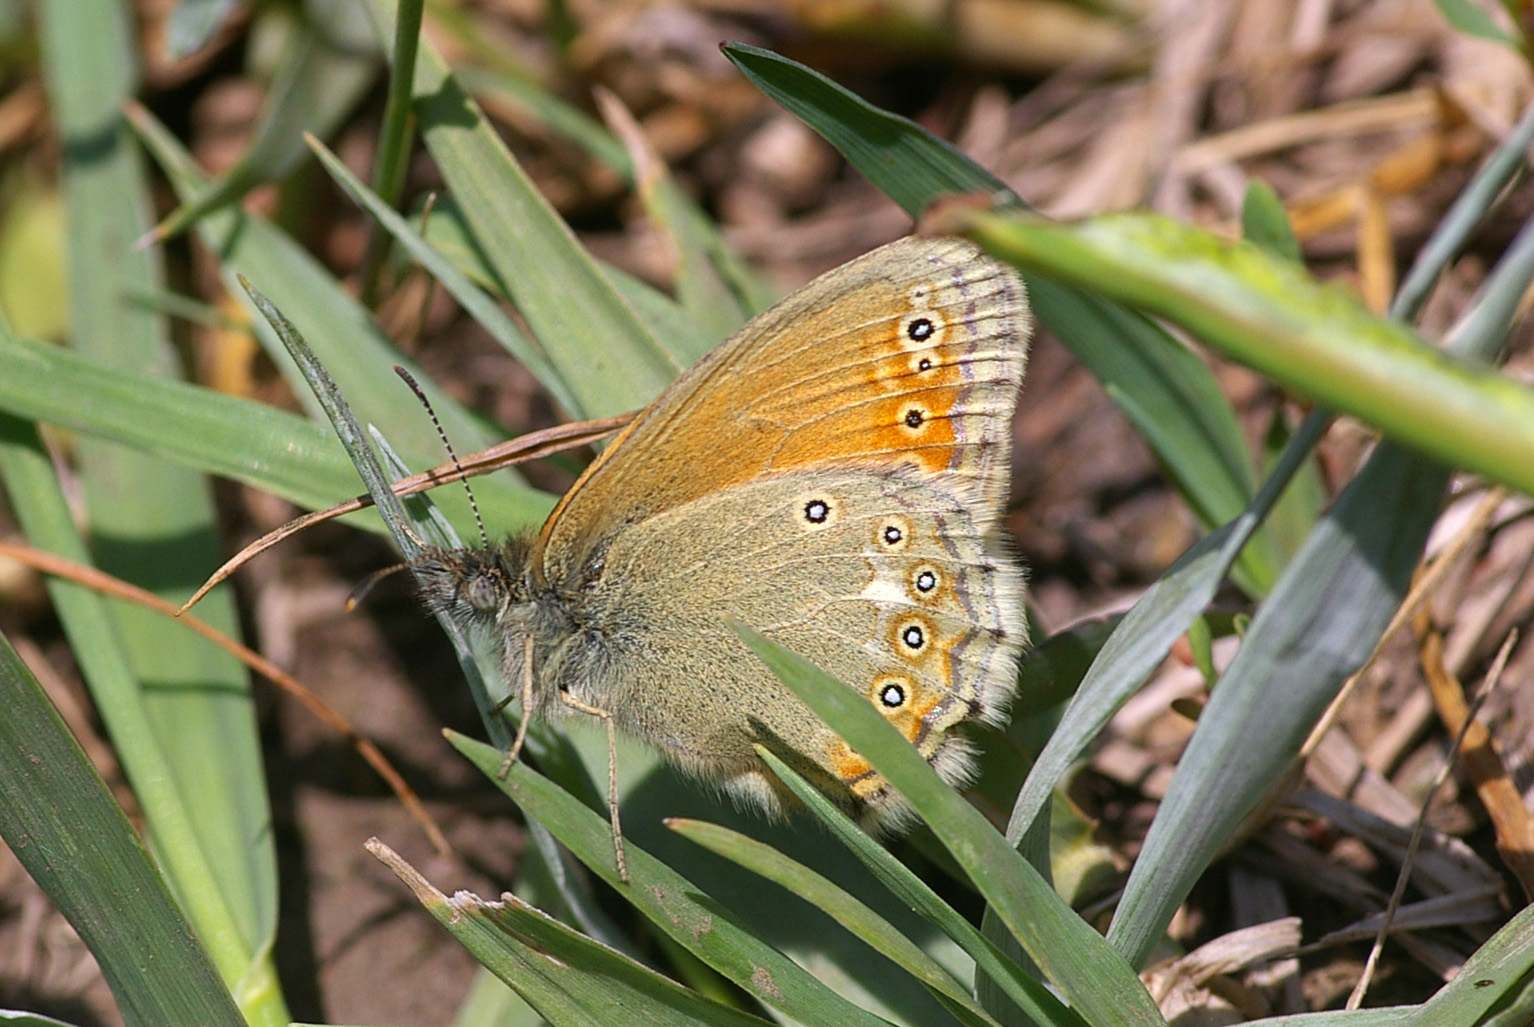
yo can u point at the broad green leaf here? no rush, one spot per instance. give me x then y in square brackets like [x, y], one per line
[1315, 339]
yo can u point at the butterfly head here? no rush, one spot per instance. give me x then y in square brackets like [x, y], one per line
[476, 585]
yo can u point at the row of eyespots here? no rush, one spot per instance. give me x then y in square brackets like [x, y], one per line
[893, 534]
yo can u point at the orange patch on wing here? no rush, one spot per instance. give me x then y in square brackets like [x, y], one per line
[848, 765]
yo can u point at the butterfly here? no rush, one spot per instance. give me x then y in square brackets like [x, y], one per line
[832, 475]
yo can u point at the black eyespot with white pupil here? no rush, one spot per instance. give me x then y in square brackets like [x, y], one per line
[816, 511]
[924, 364]
[892, 696]
[926, 581]
[913, 637]
[892, 535]
[919, 330]
[914, 417]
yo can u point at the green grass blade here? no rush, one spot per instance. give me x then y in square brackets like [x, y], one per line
[1024, 992]
[857, 917]
[1317, 627]
[192, 24]
[1475, 21]
[566, 976]
[609, 357]
[910, 165]
[1482, 331]
[1264, 223]
[556, 115]
[238, 439]
[1317, 340]
[1169, 393]
[491, 1003]
[675, 905]
[479, 306]
[1464, 216]
[342, 332]
[1392, 1017]
[46, 519]
[701, 289]
[1496, 972]
[1142, 639]
[395, 137]
[1096, 982]
[153, 524]
[60, 820]
[327, 67]
[448, 232]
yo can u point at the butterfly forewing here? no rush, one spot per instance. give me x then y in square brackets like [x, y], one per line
[911, 355]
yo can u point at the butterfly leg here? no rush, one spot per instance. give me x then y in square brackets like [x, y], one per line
[527, 703]
[612, 778]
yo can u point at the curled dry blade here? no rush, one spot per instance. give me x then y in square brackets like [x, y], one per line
[531, 446]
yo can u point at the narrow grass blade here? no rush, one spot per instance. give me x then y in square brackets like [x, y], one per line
[1464, 216]
[46, 518]
[1096, 981]
[1496, 973]
[1318, 626]
[62, 823]
[479, 306]
[490, 1003]
[448, 232]
[558, 116]
[1264, 223]
[192, 24]
[1392, 1017]
[1142, 639]
[327, 67]
[858, 918]
[1025, 993]
[910, 165]
[566, 976]
[675, 905]
[610, 358]
[343, 333]
[238, 439]
[701, 290]
[394, 138]
[187, 709]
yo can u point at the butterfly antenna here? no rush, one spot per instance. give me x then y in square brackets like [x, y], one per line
[360, 593]
[431, 412]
